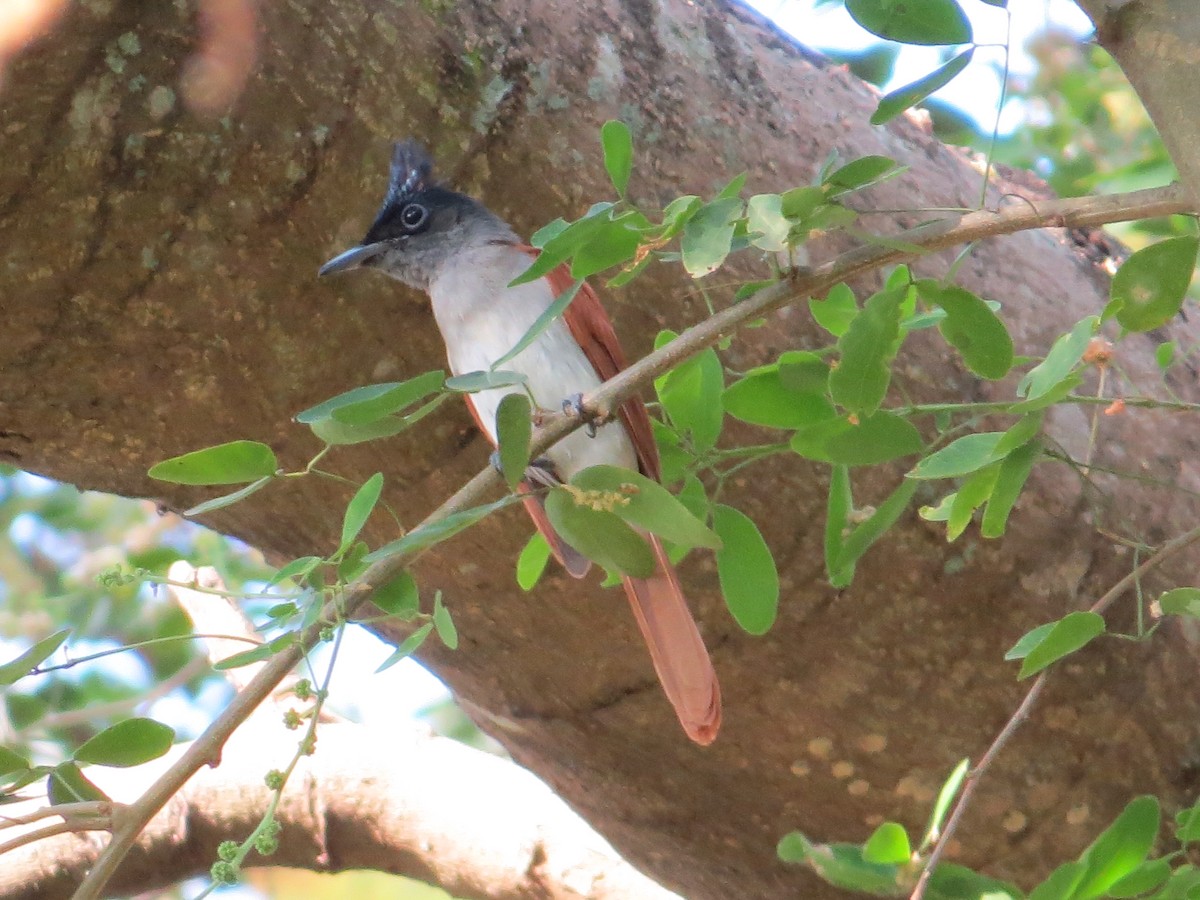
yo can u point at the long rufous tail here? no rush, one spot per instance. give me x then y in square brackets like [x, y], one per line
[676, 648]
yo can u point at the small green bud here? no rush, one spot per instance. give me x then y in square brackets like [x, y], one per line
[224, 872]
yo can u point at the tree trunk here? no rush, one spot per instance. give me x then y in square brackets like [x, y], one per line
[159, 295]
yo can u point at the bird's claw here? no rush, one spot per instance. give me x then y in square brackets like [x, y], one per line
[573, 406]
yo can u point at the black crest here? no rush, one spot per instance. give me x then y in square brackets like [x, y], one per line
[412, 172]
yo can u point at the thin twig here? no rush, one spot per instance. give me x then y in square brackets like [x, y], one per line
[798, 285]
[68, 827]
[84, 809]
[1167, 551]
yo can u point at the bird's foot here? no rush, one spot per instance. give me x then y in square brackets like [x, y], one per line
[573, 406]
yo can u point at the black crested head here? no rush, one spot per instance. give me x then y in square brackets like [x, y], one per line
[421, 225]
[412, 171]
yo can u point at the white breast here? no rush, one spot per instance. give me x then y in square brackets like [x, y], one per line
[482, 319]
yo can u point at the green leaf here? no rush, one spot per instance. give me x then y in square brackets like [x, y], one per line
[763, 397]
[901, 99]
[616, 243]
[443, 624]
[878, 438]
[861, 539]
[941, 512]
[532, 561]
[837, 518]
[691, 395]
[1061, 883]
[363, 397]
[351, 565]
[888, 844]
[514, 428]
[746, 569]
[708, 236]
[129, 743]
[542, 322]
[733, 187]
[470, 382]
[338, 433]
[836, 311]
[841, 865]
[229, 499]
[1050, 397]
[1182, 885]
[1152, 283]
[256, 654]
[971, 328]
[548, 232]
[694, 497]
[67, 784]
[802, 202]
[961, 457]
[768, 226]
[1065, 353]
[866, 350]
[1187, 824]
[673, 460]
[1013, 474]
[360, 508]
[18, 668]
[1145, 878]
[792, 848]
[364, 405]
[562, 241]
[648, 505]
[1164, 354]
[954, 882]
[1120, 849]
[601, 536]
[974, 493]
[618, 153]
[230, 463]
[929, 22]
[398, 597]
[860, 173]
[407, 647]
[428, 535]
[945, 798]
[1180, 601]
[1019, 433]
[1028, 641]
[11, 761]
[1068, 634]
[677, 214]
[298, 569]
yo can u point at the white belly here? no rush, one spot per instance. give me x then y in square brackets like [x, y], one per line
[481, 319]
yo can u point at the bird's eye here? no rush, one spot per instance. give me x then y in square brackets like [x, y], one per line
[413, 216]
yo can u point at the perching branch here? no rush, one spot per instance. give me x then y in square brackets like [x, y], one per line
[937, 235]
[1168, 550]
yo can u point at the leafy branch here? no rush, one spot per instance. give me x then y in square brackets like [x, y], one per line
[464, 506]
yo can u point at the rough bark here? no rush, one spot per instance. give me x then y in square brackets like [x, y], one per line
[158, 296]
[1157, 43]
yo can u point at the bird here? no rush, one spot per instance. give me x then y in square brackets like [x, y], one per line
[464, 257]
